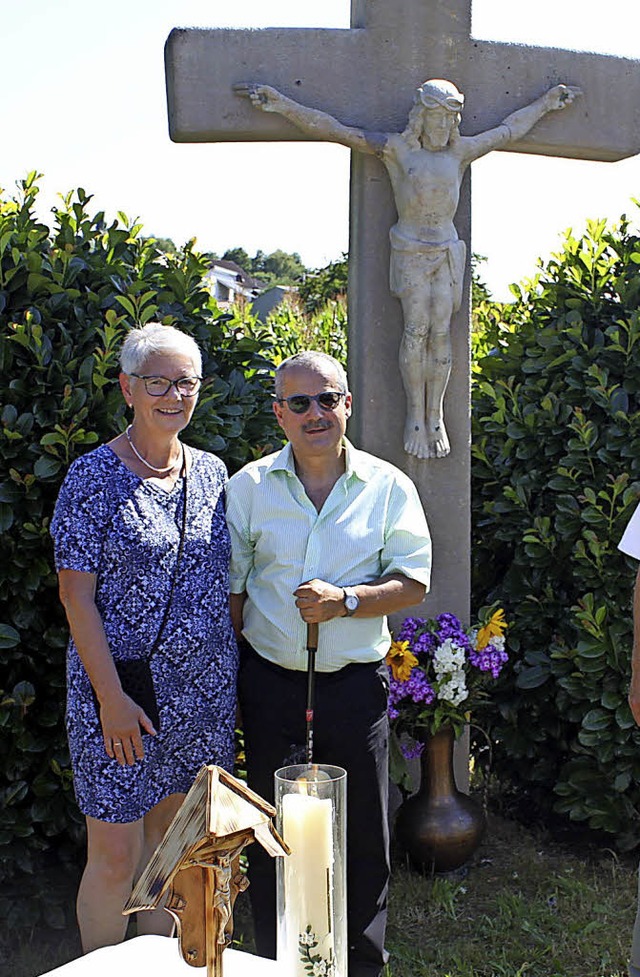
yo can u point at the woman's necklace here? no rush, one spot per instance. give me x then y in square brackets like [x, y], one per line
[158, 471]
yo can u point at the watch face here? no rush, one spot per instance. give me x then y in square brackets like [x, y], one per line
[351, 603]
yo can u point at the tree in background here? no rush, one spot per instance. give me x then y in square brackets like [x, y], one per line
[289, 329]
[325, 285]
[277, 268]
[241, 258]
[314, 316]
[165, 244]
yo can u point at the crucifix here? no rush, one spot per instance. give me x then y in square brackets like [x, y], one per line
[426, 163]
[195, 870]
[366, 76]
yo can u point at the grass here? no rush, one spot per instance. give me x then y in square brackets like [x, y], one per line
[527, 907]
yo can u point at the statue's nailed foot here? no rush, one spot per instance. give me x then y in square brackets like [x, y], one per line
[426, 440]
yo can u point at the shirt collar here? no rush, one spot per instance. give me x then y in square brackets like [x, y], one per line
[282, 460]
[356, 461]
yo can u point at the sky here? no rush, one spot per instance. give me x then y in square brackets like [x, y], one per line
[84, 104]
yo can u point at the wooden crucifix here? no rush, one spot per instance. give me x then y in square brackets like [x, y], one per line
[366, 77]
[195, 872]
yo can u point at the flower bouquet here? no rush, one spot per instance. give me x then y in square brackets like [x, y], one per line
[439, 672]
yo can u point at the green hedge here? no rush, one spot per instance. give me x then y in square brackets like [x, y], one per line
[556, 477]
[67, 297]
[289, 329]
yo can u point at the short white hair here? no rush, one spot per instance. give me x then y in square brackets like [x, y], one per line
[143, 342]
[312, 359]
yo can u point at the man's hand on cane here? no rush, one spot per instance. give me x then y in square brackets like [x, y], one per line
[319, 601]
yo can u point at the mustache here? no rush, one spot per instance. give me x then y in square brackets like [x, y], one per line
[316, 426]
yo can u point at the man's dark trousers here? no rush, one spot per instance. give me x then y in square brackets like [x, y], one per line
[351, 730]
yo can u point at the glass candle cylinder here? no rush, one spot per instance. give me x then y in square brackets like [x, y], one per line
[311, 804]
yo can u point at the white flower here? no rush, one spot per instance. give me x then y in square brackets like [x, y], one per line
[448, 657]
[307, 939]
[498, 642]
[320, 968]
[454, 690]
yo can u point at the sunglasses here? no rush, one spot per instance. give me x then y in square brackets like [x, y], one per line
[300, 403]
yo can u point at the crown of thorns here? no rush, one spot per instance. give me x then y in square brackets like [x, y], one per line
[438, 93]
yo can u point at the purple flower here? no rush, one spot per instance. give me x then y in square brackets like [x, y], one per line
[450, 627]
[409, 627]
[419, 687]
[412, 750]
[489, 659]
[424, 644]
[437, 644]
[397, 690]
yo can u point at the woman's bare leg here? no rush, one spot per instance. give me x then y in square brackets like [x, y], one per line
[156, 822]
[113, 854]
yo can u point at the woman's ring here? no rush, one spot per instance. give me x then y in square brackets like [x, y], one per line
[117, 743]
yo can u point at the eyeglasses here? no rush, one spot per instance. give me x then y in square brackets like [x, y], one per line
[160, 386]
[300, 403]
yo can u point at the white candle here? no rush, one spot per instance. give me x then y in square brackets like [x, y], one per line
[308, 881]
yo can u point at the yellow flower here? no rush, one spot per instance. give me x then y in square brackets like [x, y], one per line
[492, 629]
[401, 660]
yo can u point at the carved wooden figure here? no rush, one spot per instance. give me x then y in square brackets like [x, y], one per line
[195, 870]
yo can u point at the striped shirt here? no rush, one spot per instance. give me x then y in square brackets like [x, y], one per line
[372, 524]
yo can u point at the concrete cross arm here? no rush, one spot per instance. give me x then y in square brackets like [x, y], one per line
[360, 78]
[202, 66]
[603, 124]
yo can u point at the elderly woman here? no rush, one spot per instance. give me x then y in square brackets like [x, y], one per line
[142, 553]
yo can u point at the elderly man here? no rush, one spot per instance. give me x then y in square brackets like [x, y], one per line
[323, 534]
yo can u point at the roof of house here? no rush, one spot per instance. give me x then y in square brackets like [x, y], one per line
[247, 281]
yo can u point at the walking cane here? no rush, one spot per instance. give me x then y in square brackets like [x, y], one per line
[313, 776]
[312, 647]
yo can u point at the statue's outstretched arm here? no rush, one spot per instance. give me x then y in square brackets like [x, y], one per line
[518, 124]
[315, 123]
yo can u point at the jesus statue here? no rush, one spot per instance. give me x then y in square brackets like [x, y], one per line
[426, 163]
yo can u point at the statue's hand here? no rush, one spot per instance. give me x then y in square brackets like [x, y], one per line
[262, 97]
[560, 96]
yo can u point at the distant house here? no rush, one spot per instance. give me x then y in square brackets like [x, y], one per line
[228, 283]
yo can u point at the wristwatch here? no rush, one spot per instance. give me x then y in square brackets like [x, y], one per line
[351, 600]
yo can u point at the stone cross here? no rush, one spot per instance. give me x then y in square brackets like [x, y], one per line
[366, 76]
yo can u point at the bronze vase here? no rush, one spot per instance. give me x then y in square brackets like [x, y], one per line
[439, 827]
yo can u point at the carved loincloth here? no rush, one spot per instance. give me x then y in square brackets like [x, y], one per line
[413, 260]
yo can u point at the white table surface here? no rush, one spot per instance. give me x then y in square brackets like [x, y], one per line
[158, 956]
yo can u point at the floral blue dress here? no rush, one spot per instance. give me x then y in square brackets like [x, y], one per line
[110, 522]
